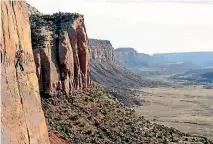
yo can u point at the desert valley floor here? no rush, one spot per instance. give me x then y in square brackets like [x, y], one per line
[188, 109]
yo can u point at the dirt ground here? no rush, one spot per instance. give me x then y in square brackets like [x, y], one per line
[188, 109]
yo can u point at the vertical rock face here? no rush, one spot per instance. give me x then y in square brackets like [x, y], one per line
[101, 50]
[61, 53]
[22, 116]
[46, 59]
[105, 70]
[130, 58]
[84, 56]
[66, 61]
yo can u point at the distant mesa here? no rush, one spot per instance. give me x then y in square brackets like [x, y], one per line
[197, 76]
[130, 58]
[113, 76]
[162, 63]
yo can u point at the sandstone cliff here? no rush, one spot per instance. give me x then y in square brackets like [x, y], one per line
[105, 70]
[118, 80]
[32, 10]
[102, 50]
[60, 49]
[130, 58]
[22, 118]
[162, 64]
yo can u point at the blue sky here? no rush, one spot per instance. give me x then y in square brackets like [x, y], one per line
[148, 26]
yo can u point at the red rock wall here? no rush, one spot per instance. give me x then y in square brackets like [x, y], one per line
[73, 40]
[22, 119]
[62, 59]
[46, 63]
[66, 62]
[84, 57]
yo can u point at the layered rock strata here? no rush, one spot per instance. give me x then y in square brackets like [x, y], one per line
[101, 50]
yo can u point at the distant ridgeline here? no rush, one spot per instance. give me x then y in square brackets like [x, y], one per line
[198, 76]
[162, 63]
[131, 58]
[60, 50]
[117, 79]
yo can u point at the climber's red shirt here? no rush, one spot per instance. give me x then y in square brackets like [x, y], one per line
[19, 54]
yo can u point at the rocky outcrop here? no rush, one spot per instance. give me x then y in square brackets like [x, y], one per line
[84, 56]
[22, 119]
[130, 58]
[60, 49]
[66, 61]
[33, 10]
[102, 50]
[118, 80]
[105, 70]
[55, 138]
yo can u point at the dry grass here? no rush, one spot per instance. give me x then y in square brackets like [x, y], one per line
[188, 109]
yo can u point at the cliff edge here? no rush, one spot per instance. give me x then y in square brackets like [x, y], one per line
[22, 118]
[60, 50]
[118, 80]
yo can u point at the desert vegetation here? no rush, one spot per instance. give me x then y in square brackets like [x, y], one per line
[94, 116]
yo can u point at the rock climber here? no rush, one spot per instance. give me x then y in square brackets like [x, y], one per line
[19, 59]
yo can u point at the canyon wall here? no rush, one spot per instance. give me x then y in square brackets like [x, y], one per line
[130, 58]
[60, 50]
[22, 118]
[101, 50]
[113, 76]
[106, 71]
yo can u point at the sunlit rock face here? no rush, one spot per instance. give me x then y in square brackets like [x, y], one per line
[22, 119]
[60, 49]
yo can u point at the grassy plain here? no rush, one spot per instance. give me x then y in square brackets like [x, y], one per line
[188, 109]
